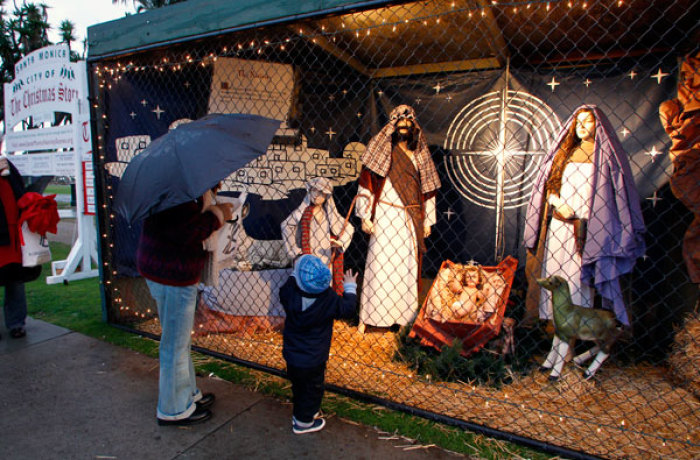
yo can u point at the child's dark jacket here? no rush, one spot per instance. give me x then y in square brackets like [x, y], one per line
[307, 334]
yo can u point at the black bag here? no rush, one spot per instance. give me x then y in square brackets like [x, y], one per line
[16, 273]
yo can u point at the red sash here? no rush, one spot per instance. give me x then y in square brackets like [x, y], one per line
[337, 258]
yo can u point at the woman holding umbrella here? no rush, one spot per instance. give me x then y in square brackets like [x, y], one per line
[170, 256]
[165, 185]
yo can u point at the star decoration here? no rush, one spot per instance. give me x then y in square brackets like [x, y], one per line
[380, 93]
[659, 75]
[331, 97]
[331, 133]
[449, 213]
[653, 153]
[359, 114]
[187, 84]
[418, 100]
[132, 115]
[312, 129]
[645, 257]
[448, 98]
[158, 111]
[624, 131]
[553, 84]
[437, 88]
[632, 74]
[144, 102]
[654, 199]
[345, 91]
[587, 82]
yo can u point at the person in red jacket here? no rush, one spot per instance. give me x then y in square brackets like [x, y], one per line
[12, 274]
[171, 256]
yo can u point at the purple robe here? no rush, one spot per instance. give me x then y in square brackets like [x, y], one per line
[615, 234]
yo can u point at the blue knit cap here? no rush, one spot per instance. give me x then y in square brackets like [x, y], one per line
[311, 274]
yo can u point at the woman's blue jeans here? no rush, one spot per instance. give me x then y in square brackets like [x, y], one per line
[177, 387]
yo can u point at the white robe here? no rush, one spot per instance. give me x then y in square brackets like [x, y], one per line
[561, 257]
[390, 287]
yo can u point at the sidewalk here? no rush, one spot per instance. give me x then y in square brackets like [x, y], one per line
[66, 396]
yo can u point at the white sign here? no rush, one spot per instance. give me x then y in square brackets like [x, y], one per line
[48, 55]
[57, 137]
[47, 82]
[254, 87]
[89, 188]
[45, 164]
[52, 88]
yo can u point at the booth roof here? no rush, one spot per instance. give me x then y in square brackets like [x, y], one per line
[197, 18]
[422, 37]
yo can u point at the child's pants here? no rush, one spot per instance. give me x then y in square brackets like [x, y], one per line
[307, 390]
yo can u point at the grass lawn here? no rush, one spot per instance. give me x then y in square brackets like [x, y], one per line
[57, 189]
[77, 306]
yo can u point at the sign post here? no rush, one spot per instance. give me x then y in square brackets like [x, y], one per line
[47, 82]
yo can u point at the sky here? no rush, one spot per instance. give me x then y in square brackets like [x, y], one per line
[83, 13]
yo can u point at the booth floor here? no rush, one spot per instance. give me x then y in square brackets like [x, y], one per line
[66, 395]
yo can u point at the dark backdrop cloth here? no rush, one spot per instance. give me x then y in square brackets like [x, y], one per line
[133, 106]
[631, 104]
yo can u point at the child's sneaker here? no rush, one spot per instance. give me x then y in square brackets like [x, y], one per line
[316, 425]
[316, 415]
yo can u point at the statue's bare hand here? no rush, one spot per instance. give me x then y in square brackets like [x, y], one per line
[566, 211]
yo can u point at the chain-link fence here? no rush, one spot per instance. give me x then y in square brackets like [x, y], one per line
[457, 142]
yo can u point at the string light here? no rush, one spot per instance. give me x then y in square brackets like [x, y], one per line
[176, 66]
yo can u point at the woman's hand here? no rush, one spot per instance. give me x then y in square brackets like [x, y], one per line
[367, 226]
[226, 210]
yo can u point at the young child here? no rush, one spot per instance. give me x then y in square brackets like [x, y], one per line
[311, 306]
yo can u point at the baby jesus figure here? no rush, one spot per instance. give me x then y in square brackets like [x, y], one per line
[461, 295]
[471, 295]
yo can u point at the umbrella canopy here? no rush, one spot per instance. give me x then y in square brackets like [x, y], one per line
[187, 161]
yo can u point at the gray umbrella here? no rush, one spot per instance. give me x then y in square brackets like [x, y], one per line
[187, 161]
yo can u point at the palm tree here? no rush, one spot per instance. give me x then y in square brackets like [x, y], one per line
[20, 34]
[66, 32]
[32, 26]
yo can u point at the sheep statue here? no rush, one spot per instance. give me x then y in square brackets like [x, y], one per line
[573, 322]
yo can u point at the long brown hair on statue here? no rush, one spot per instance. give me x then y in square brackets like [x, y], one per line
[563, 155]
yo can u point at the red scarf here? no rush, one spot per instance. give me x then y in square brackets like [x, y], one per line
[40, 212]
[336, 253]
